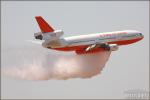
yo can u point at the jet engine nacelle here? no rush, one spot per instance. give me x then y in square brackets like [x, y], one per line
[49, 36]
[113, 47]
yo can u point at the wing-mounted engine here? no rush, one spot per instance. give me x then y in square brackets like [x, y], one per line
[113, 47]
[49, 36]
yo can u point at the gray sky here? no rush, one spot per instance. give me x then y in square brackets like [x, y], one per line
[127, 68]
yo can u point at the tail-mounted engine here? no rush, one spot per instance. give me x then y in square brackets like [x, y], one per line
[49, 36]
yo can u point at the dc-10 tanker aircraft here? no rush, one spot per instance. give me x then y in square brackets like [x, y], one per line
[84, 44]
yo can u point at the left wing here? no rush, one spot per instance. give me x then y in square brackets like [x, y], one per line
[35, 41]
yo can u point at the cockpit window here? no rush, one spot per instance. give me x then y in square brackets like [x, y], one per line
[140, 33]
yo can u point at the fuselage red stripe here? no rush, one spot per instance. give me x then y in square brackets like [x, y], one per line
[81, 47]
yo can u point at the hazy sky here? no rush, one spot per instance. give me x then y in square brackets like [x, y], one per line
[127, 68]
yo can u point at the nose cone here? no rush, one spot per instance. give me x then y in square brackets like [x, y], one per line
[137, 34]
[141, 35]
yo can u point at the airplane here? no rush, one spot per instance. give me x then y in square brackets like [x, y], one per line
[84, 44]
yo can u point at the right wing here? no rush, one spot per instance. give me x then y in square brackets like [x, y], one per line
[97, 48]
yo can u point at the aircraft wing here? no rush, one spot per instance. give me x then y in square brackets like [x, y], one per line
[35, 41]
[97, 48]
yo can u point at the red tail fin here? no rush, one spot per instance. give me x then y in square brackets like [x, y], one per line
[44, 26]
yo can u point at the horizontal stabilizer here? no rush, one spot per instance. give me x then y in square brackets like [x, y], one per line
[35, 41]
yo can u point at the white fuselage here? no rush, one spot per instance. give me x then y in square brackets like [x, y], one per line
[116, 37]
[102, 37]
[84, 43]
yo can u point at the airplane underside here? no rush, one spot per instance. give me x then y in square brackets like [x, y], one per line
[81, 49]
